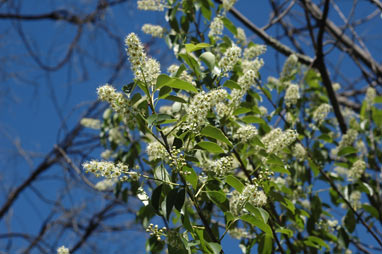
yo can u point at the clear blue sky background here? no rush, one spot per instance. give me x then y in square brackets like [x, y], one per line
[27, 111]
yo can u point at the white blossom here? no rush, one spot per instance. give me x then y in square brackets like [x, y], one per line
[245, 133]
[356, 170]
[227, 4]
[63, 250]
[370, 96]
[117, 101]
[299, 152]
[199, 107]
[355, 198]
[216, 27]
[240, 36]
[292, 95]
[91, 123]
[106, 184]
[250, 194]
[254, 51]
[290, 66]
[220, 167]
[151, 5]
[145, 69]
[276, 139]
[230, 58]
[156, 150]
[105, 169]
[321, 112]
[153, 30]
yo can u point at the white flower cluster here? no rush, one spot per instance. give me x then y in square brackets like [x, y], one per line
[173, 69]
[106, 184]
[227, 4]
[91, 123]
[240, 233]
[199, 107]
[117, 101]
[299, 152]
[321, 112]
[216, 28]
[245, 82]
[336, 86]
[153, 30]
[276, 139]
[220, 167]
[289, 67]
[156, 150]
[240, 36]
[292, 95]
[370, 96]
[230, 58]
[106, 169]
[223, 109]
[245, 133]
[63, 250]
[151, 5]
[346, 140]
[355, 198]
[254, 65]
[250, 194]
[254, 51]
[155, 231]
[274, 81]
[145, 69]
[356, 170]
[116, 136]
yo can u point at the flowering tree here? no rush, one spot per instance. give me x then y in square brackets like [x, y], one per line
[212, 148]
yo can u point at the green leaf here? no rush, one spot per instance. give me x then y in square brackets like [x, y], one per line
[194, 47]
[210, 147]
[372, 210]
[231, 84]
[317, 241]
[175, 98]
[285, 231]
[279, 169]
[216, 196]
[289, 205]
[215, 247]
[378, 99]
[180, 70]
[258, 212]
[257, 223]
[265, 245]
[191, 177]
[253, 119]
[209, 59]
[229, 25]
[161, 174]
[170, 201]
[314, 167]
[213, 132]
[180, 197]
[346, 151]
[164, 80]
[240, 111]
[235, 183]
[350, 221]
[156, 196]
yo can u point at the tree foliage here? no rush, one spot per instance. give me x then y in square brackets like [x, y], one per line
[212, 148]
